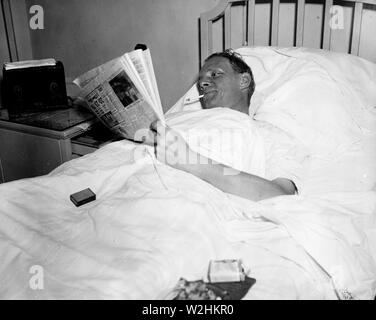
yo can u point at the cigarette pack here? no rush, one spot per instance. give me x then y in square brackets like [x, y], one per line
[82, 197]
[228, 270]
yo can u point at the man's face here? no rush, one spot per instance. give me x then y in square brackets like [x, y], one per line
[219, 83]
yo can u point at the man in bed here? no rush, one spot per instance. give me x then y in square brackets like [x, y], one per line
[225, 80]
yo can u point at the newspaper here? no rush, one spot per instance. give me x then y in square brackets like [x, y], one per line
[123, 94]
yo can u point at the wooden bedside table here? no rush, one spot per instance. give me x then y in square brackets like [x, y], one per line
[32, 148]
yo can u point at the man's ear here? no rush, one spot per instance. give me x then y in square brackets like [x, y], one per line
[245, 81]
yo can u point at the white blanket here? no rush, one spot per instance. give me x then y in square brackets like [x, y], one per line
[152, 224]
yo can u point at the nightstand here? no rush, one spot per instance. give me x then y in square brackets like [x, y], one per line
[39, 145]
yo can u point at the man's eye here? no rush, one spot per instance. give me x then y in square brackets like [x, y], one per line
[216, 73]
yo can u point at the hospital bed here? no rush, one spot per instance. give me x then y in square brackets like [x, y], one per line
[150, 224]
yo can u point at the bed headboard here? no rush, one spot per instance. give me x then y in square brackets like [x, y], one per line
[222, 12]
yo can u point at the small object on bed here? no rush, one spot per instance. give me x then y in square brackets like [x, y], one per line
[200, 290]
[82, 197]
[228, 270]
[196, 290]
[226, 281]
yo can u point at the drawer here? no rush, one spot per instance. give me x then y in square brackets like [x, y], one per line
[81, 149]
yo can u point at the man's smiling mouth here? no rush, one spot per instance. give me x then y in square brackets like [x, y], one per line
[209, 94]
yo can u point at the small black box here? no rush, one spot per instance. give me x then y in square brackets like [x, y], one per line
[34, 89]
[82, 197]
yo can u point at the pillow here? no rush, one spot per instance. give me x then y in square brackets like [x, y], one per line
[325, 99]
[223, 135]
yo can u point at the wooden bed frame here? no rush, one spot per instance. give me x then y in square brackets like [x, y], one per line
[223, 10]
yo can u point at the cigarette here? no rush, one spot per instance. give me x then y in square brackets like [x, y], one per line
[193, 100]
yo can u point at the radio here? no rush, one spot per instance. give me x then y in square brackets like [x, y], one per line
[34, 86]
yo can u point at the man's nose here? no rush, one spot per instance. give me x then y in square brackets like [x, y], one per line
[204, 84]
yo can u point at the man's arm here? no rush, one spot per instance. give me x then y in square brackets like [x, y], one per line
[172, 149]
[241, 184]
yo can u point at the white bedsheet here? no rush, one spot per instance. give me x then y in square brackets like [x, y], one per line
[150, 227]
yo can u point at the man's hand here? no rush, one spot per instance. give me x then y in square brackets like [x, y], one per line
[171, 148]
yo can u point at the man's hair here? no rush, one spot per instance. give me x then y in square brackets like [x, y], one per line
[238, 65]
